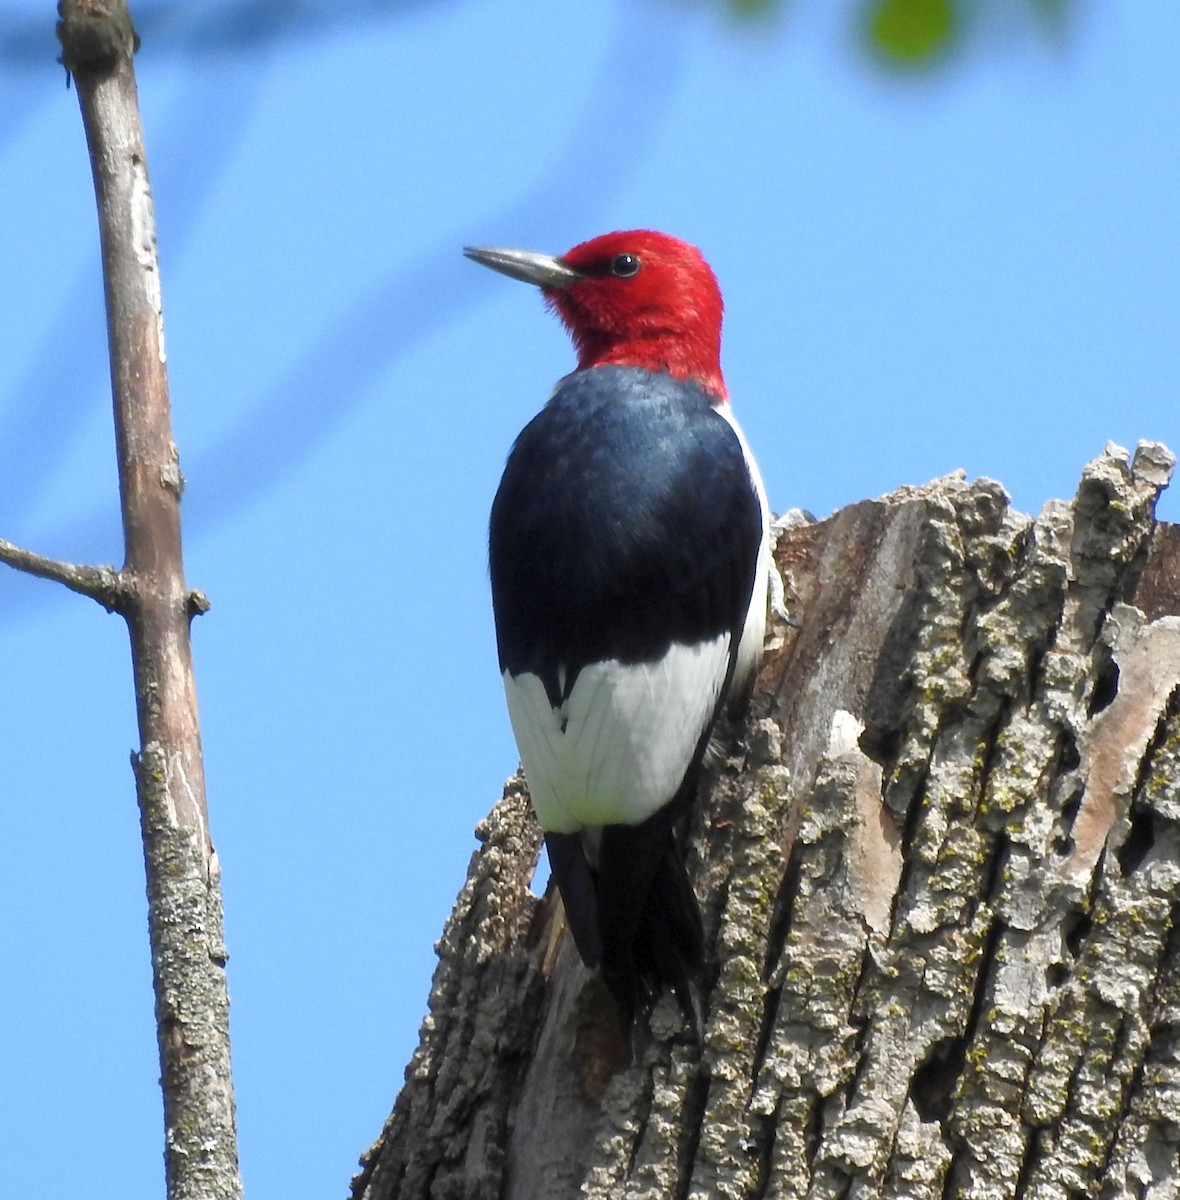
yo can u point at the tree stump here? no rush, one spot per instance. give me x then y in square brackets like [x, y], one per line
[940, 875]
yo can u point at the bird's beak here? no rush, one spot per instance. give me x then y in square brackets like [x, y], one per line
[542, 269]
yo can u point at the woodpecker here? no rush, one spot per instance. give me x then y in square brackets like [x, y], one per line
[629, 557]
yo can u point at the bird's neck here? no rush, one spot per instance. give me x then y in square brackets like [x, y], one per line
[680, 357]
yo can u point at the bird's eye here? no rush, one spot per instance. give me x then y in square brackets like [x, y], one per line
[625, 265]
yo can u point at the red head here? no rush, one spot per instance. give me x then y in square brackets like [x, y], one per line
[637, 299]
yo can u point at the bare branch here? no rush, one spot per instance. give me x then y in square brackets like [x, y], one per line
[184, 901]
[104, 584]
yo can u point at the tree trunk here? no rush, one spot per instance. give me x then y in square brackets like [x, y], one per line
[940, 876]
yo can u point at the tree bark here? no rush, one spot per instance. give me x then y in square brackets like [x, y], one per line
[940, 875]
[183, 876]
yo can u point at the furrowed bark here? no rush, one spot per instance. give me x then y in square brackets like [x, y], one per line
[149, 591]
[940, 875]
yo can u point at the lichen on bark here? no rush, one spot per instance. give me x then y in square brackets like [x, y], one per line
[939, 871]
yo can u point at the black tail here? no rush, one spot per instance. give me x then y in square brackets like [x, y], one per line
[652, 936]
[634, 913]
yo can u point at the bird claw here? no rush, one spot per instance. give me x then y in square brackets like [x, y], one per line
[778, 591]
[778, 598]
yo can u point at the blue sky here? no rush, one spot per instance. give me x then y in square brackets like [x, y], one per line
[976, 269]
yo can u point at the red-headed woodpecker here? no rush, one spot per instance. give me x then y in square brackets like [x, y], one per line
[629, 565]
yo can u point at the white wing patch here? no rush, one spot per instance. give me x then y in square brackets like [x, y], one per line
[618, 748]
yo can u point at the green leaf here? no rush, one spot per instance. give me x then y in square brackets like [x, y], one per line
[911, 33]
